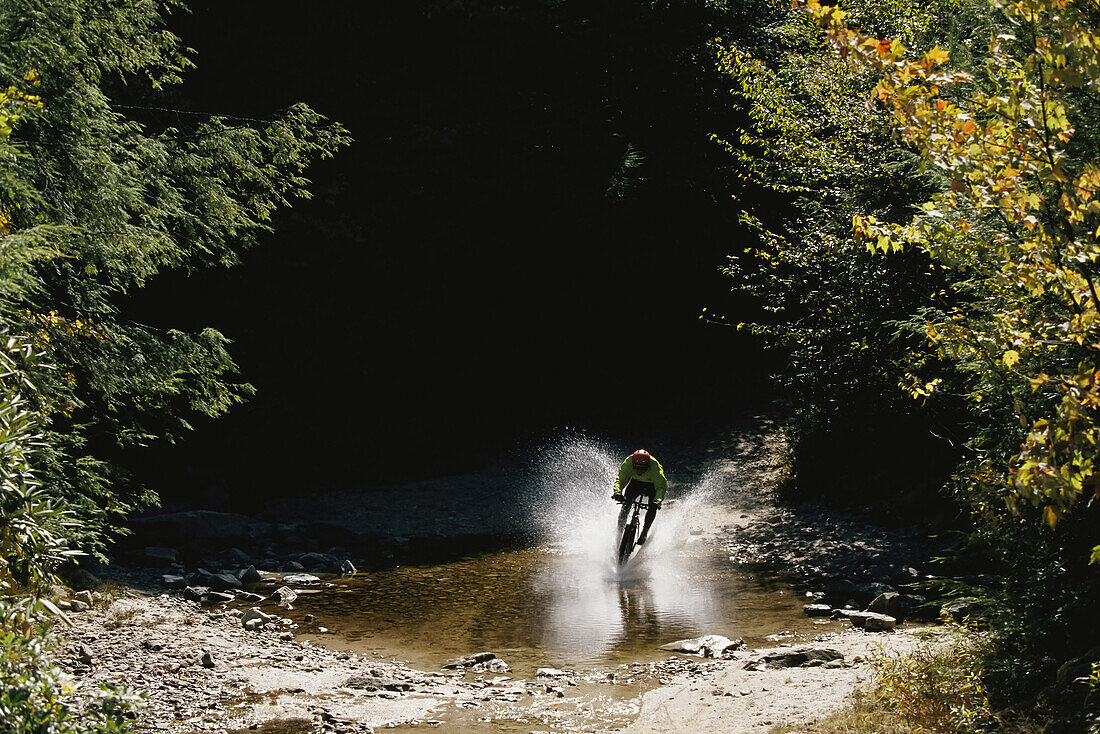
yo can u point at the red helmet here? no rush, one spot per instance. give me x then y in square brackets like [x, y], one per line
[641, 458]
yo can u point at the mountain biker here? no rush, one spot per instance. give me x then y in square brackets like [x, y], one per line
[640, 474]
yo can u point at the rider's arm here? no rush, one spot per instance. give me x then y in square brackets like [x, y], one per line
[623, 478]
[660, 482]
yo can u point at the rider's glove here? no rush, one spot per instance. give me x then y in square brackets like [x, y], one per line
[618, 498]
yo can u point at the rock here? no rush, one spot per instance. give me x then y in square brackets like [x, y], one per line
[496, 665]
[708, 646]
[85, 596]
[550, 673]
[1077, 668]
[301, 579]
[803, 657]
[156, 555]
[555, 690]
[470, 660]
[250, 575]
[914, 606]
[347, 568]
[219, 597]
[249, 597]
[958, 608]
[817, 610]
[196, 593]
[254, 613]
[207, 659]
[77, 606]
[873, 622]
[82, 578]
[365, 682]
[285, 595]
[322, 562]
[887, 603]
[293, 566]
[253, 624]
[85, 655]
[172, 581]
[223, 581]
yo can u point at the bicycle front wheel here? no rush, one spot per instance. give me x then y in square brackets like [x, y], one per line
[626, 545]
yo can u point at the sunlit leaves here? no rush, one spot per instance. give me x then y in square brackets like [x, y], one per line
[1020, 215]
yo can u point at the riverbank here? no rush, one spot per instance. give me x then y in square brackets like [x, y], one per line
[210, 663]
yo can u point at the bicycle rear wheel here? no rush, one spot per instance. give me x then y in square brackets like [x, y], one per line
[626, 545]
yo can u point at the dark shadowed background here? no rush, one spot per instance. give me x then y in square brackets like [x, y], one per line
[481, 268]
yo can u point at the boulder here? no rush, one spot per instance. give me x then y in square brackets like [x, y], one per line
[219, 597]
[708, 646]
[873, 622]
[817, 610]
[254, 613]
[196, 593]
[250, 575]
[285, 595]
[889, 603]
[301, 579]
[802, 657]
[347, 568]
[224, 581]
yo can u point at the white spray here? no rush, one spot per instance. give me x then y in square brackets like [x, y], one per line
[591, 602]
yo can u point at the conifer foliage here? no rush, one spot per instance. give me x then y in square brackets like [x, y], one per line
[100, 195]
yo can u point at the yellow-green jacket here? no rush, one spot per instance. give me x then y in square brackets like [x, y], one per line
[654, 474]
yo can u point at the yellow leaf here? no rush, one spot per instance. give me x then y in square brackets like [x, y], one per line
[1050, 517]
[1011, 357]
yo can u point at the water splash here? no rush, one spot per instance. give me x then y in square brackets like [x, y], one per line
[591, 602]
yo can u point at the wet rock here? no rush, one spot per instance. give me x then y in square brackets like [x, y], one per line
[285, 595]
[496, 665]
[803, 657]
[470, 661]
[250, 575]
[873, 622]
[817, 610]
[156, 555]
[248, 596]
[708, 646]
[301, 579]
[254, 618]
[347, 568]
[551, 673]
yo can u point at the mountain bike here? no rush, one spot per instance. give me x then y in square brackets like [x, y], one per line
[633, 527]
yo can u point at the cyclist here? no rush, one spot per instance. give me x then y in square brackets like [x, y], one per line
[640, 474]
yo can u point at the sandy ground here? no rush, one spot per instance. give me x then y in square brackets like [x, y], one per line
[269, 680]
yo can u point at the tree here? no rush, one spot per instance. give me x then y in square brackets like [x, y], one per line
[100, 198]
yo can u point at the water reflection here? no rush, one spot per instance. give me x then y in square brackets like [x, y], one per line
[567, 602]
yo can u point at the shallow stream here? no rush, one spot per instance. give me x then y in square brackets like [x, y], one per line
[565, 602]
